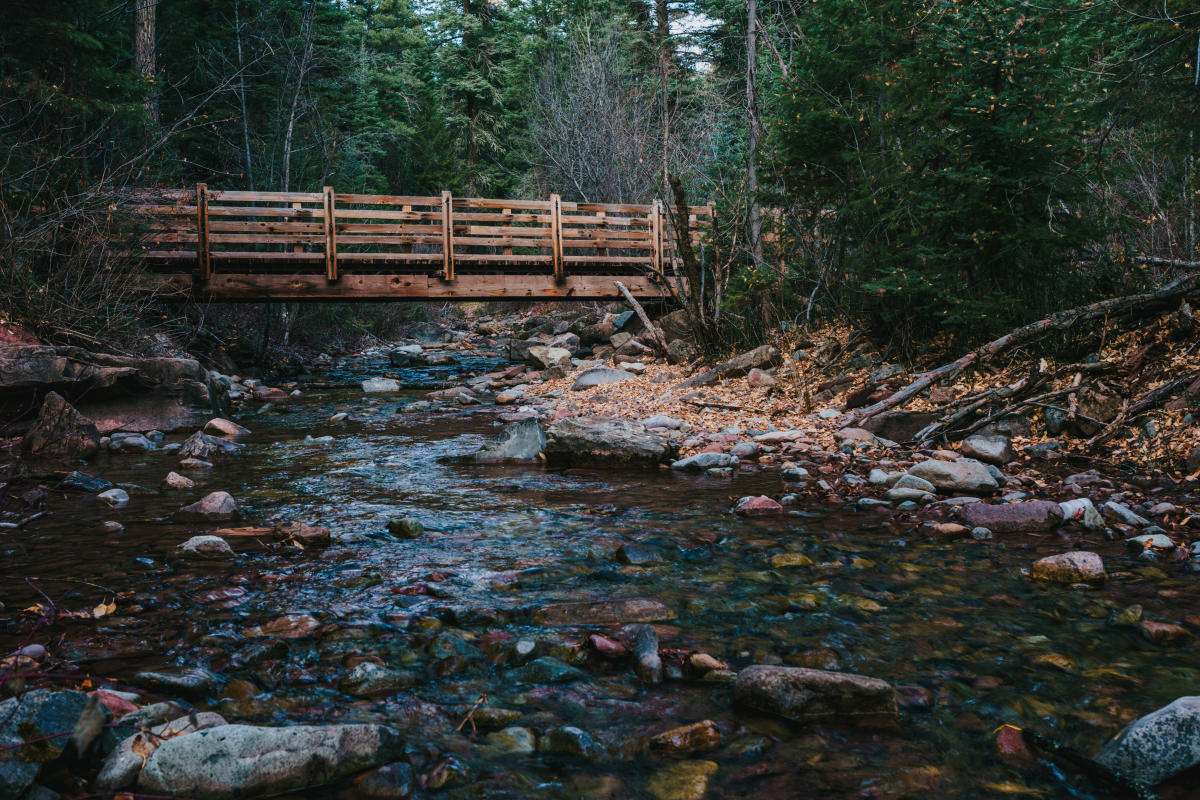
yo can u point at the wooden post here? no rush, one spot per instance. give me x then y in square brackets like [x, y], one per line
[447, 236]
[656, 235]
[203, 254]
[556, 237]
[331, 263]
[299, 248]
[603, 228]
[507, 212]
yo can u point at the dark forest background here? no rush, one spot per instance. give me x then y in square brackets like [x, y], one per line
[934, 171]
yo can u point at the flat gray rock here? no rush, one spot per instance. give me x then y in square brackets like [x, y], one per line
[963, 475]
[243, 761]
[599, 377]
[604, 441]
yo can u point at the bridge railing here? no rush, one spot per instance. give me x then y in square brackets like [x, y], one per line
[442, 236]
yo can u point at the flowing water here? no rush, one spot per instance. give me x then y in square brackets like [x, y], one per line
[973, 642]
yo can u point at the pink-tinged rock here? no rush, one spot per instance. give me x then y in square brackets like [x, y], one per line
[715, 447]
[608, 648]
[761, 506]
[1037, 515]
[1075, 567]
[1010, 744]
[118, 705]
[269, 394]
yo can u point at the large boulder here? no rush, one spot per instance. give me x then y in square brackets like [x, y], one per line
[605, 440]
[799, 693]
[963, 475]
[43, 717]
[61, 431]
[1036, 515]
[242, 761]
[763, 357]
[1159, 745]
[521, 441]
[115, 392]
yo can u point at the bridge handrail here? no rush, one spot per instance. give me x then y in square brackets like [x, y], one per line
[204, 228]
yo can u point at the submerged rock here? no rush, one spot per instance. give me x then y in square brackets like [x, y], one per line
[647, 664]
[605, 440]
[302, 534]
[1159, 745]
[633, 609]
[406, 528]
[372, 680]
[1076, 567]
[799, 693]
[521, 441]
[683, 780]
[546, 669]
[697, 737]
[241, 761]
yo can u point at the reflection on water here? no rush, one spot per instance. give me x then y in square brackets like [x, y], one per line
[974, 643]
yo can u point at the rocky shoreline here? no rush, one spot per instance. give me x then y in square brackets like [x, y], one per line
[592, 399]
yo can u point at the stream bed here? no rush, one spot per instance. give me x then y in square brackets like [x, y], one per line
[972, 643]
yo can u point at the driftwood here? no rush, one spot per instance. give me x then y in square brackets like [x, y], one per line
[1144, 303]
[652, 332]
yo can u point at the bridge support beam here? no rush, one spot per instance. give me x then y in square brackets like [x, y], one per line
[234, 287]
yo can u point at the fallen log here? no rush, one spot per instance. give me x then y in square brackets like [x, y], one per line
[1147, 302]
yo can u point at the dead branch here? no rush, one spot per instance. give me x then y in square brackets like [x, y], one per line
[1144, 402]
[1140, 304]
[655, 336]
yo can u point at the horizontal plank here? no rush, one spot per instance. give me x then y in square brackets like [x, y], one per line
[265, 197]
[244, 226]
[252, 288]
[499, 241]
[520, 205]
[433, 238]
[608, 260]
[266, 211]
[387, 199]
[266, 238]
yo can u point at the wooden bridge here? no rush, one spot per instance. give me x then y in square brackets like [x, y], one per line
[253, 246]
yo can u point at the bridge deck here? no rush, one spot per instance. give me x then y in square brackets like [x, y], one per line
[234, 245]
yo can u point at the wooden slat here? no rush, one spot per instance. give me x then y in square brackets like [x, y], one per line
[267, 197]
[524, 205]
[389, 200]
[284, 212]
[656, 220]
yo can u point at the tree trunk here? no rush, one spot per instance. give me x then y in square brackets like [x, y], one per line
[144, 17]
[237, 21]
[752, 131]
[663, 23]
